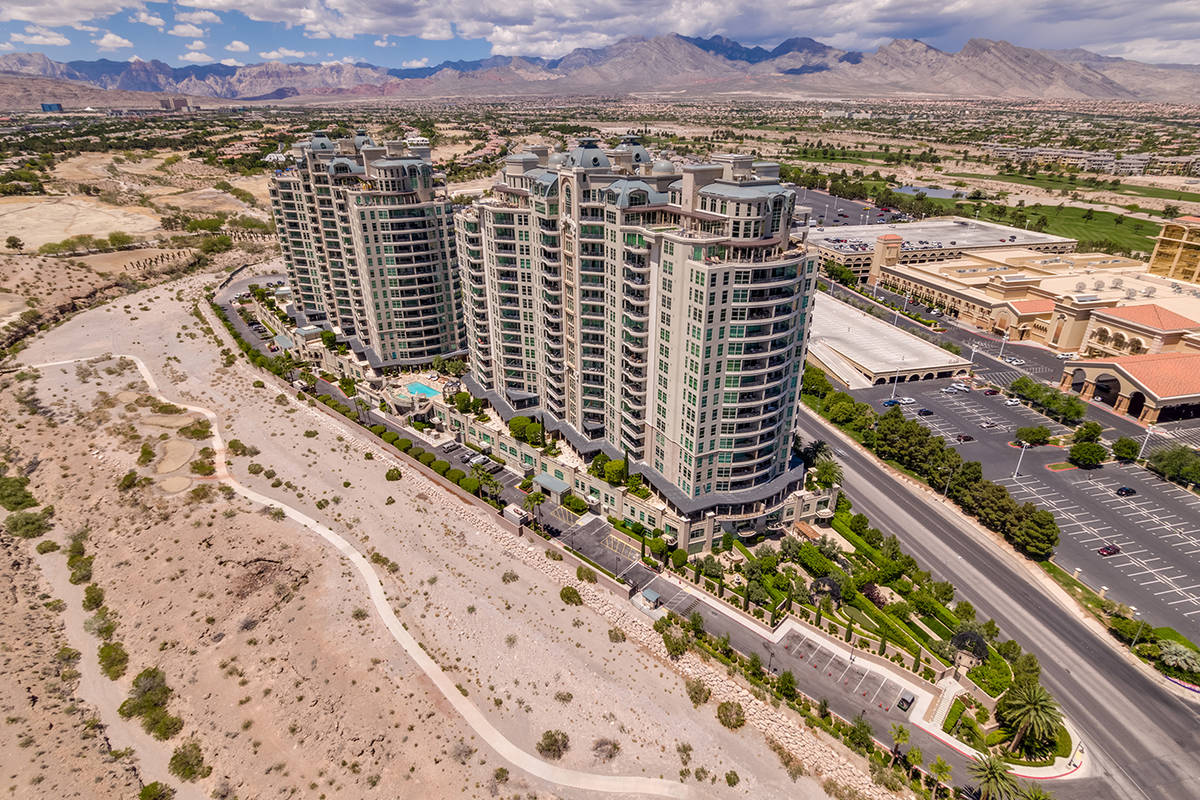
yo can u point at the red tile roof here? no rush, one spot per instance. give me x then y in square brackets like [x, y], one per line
[1164, 375]
[1150, 315]
[1039, 306]
[1187, 219]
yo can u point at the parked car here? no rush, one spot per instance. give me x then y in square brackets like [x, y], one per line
[949, 390]
[1012, 401]
[890, 403]
[989, 424]
[906, 401]
[451, 447]
[924, 412]
[960, 386]
[1126, 491]
[1109, 550]
[906, 700]
[964, 437]
[1064, 356]
[992, 392]
[1016, 362]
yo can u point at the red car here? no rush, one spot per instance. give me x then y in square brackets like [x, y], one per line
[992, 392]
[1109, 550]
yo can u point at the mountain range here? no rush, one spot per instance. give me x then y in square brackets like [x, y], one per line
[670, 64]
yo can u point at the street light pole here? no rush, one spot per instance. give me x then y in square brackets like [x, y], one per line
[1137, 635]
[1003, 341]
[1145, 442]
[1017, 471]
[953, 472]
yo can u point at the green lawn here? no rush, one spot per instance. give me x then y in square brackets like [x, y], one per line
[1131, 234]
[1057, 184]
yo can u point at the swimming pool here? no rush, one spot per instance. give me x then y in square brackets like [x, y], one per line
[416, 387]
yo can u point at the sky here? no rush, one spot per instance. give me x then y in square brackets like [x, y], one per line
[414, 33]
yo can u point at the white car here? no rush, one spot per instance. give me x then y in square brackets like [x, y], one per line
[1012, 401]
[1065, 356]
[1016, 362]
[905, 401]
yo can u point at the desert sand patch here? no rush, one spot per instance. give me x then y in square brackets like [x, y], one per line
[205, 200]
[176, 453]
[127, 397]
[38, 220]
[174, 484]
[10, 306]
[169, 420]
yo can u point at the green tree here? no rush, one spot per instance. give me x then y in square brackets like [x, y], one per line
[533, 503]
[826, 472]
[899, 737]
[786, 685]
[913, 759]
[1034, 435]
[1031, 711]
[1033, 791]
[1125, 449]
[14, 243]
[991, 775]
[1087, 454]
[517, 425]
[941, 772]
[1037, 532]
[614, 472]
[1088, 432]
[859, 736]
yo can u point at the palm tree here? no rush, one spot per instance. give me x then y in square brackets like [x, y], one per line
[826, 472]
[992, 776]
[1035, 792]
[1032, 711]
[940, 771]
[533, 502]
[914, 758]
[814, 451]
[899, 737]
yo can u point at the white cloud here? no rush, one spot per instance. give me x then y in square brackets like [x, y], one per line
[148, 19]
[280, 53]
[40, 37]
[414, 63]
[196, 16]
[381, 42]
[196, 58]
[232, 62]
[198, 44]
[111, 41]
[6, 45]
[237, 47]
[187, 30]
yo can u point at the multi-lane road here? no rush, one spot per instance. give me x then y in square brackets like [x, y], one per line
[1144, 739]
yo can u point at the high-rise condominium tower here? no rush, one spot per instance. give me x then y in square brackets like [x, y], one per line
[648, 312]
[367, 235]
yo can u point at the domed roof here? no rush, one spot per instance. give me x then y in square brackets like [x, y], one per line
[320, 141]
[662, 167]
[556, 159]
[361, 140]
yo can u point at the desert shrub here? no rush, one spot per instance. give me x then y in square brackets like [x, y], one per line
[47, 546]
[148, 698]
[202, 467]
[255, 469]
[616, 635]
[128, 481]
[585, 574]
[553, 555]
[570, 596]
[13, 494]
[29, 524]
[606, 749]
[156, 791]
[93, 597]
[146, 455]
[113, 660]
[509, 577]
[732, 778]
[731, 714]
[393, 474]
[697, 691]
[187, 762]
[553, 744]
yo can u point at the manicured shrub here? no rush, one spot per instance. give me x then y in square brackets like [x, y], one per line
[576, 504]
[455, 475]
[679, 558]
[390, 437]
[570, 595]
[428, 458]
[440, 467]
[416, 452]
[404, 445]
[469, 484]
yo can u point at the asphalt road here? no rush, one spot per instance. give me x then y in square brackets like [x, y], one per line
[1144, 740]
[832, 211]
[1158, 529]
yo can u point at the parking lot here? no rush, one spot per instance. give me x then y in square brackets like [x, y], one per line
[1157, 570]
[839, 673]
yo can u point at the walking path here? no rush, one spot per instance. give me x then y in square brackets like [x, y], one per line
[472, 715]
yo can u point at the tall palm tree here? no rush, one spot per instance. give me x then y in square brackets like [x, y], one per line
[899, 737]
[914, 758]
[1033, 712]
[992, 776]
[1034, 792]
[940, 771]
[826, 472]
[814, 451]
[533, 502]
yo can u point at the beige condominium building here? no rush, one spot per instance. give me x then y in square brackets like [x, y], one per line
[1177, 250]
[367, 236]
[651, 313]
[927, 241]
[1112, 313]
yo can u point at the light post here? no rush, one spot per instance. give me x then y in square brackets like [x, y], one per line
[1003, 341]
[1145, 442]
[1017, 471]
[1138, 634]
[953, 472]
[974, 347]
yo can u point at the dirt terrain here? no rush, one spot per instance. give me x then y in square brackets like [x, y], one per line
[282, 674]
[38, 220]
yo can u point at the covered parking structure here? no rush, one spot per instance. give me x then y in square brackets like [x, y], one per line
[1157, 387]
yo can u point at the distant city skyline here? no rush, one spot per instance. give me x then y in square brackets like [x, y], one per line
[417, 33]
